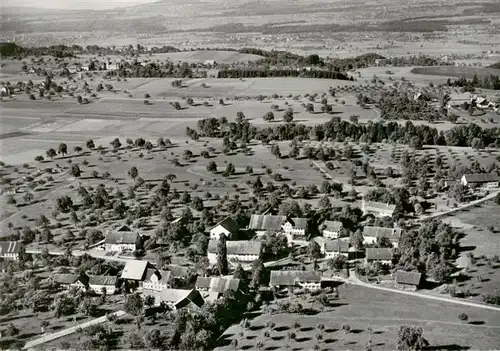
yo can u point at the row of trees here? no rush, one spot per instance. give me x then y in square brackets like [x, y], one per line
[264, 73]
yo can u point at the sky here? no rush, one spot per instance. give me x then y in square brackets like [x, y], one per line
[74, 4]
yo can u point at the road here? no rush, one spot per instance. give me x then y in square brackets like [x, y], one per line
[30, 345]
[354, 280]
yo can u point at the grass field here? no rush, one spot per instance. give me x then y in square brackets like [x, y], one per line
[456, 71]
[363, 308]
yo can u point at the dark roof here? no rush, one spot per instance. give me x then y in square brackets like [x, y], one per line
[123, 228]
[333, 226]
[163, 275]
[217, 284]
[121, 238]
[378, 254]
[229, 224]
[102, 280]
[179, 297]
[290, 278]
[266, 222]
[239, 247]
[65, 278]
[336, 246]
[381, 232]
[298, 222]
[410, 278]
[482, 177]
[10, 247]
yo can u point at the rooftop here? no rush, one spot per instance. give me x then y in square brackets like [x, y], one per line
[163, 275]
[102, 280]
[411, 278]
[382, 232]
[239, 247]
[10, 247]
[134, 270]
[332, 226]
[266, 222]
[217, 284]
[292, 277]
[229, 224]
[336, 246]
[378, 254]
[122, 237]
[65, 278]
[482, 177]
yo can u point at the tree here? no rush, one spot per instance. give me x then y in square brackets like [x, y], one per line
[62, 149]
[153, 339]
[458, 191]
[134, 304]
[314, 250]
[64, 204]
[410, 338]
[324, 203]
[288, 116]
[75, 171]
[354, 119]
[222, 264]
[212, 167]
[257, 272]
[51, 153]
[229, 170]
[275, 150]
[415, 142]
[77, 149]
[197, 203]
[268, 117]
[240, 116]
[337, 263]
[39, 158]
[133, 172]
[357, 240]
[463, 317]
[90, 144]
[116, 143]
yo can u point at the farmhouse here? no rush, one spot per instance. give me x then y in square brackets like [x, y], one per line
[408, 280]
[178, 298]
[372, 235]
[134, 273]
[487, 180]
[157, 280]
[217, 285]
[383, 256]
[378, 209]
[331, 229]
[308, 280]
[10, 250]
[119, 241]
[67, 281]
[266, 223]
[237, 251]
[100, 283]
[295, 229]
[227, 227]
[335, 248]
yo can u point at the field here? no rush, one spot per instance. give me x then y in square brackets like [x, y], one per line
[456, 71]
[363, 308]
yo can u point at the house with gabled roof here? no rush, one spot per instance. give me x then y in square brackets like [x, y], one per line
[408, 280]
[227, 227]
[266, 223]
[245, 251]
[121, 240]
[217, 285]
[100, 283]
[157, 279]
[135, 270]
[378, 209]
[331, 229]
[486, 180]
[10, 250]
[308, 280]
[381, 255]
[334, 248]
[372, 235]
[68, 280]
[178, 298]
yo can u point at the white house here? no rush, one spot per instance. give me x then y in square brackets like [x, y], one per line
[372, 235]
[295, 229]
[10, 250]
[178, 298]
[237, 251]
[157, 280]
[227, 227]
[308, 280]
[331, 229]
[486, 180]
[99, 282]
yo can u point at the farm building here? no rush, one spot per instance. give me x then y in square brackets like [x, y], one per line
[486, 180]
[217, 285]
[378, 209]
[118, 241]
[67, 281]
[383, 256]
[10, 250]
[227, 227]
[408, 280]
[134, 273]
[331, 229]
[372, 235]
[98, 283]
[308, 280]
[295, 229]
[178, 298]
[157, 280]
[335, 248]
[266, 223]
[237, 251]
